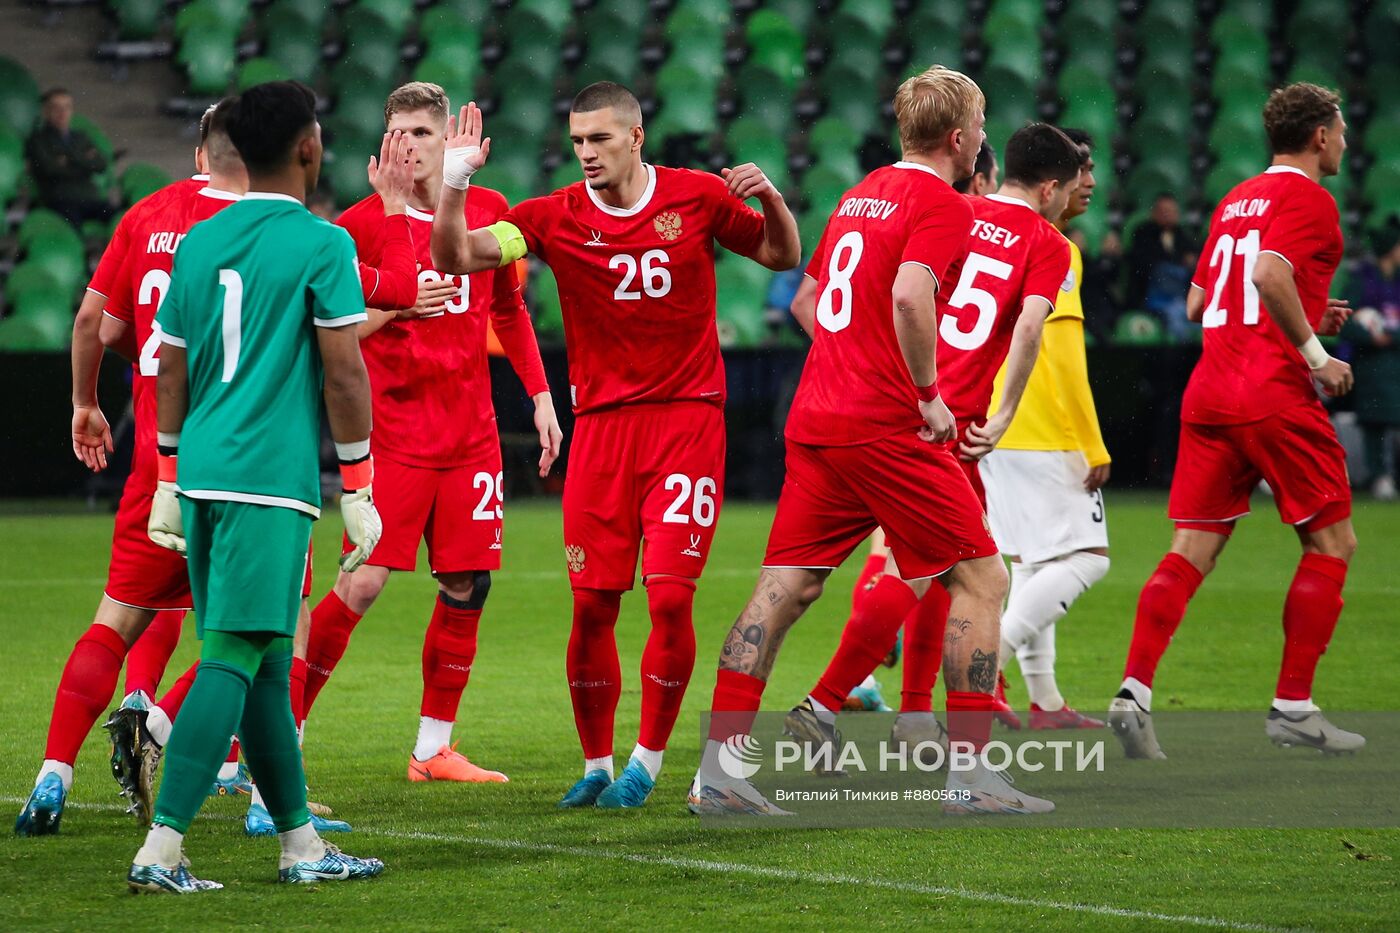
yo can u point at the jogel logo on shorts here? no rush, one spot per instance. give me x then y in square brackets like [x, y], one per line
[574, 554]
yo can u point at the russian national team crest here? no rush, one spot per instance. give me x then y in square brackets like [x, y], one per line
[668, 225]
[574, 554]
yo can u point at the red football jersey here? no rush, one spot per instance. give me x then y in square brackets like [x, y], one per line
[154, 227]
[855, 387]
[109, 267]
[1013, 254]
[637, 285]
[430, 376]
[1248, 369]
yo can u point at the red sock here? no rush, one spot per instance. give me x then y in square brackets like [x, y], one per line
[145, 662]
[86, 687]
[232, 756]
[668, 659]
[449, 649]
[970, 718]
[1160, 610]
[1309, 618]
[923, 650]
[331, 625]
[298, 690]
[874, 565]
[735, 703]
[595, 676]
[866, 640]
[175, 696]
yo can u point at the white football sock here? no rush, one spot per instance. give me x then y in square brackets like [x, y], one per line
[257, 800]
[823, 714]
[301, 845]
[228, 770]
[433, 734]
[54, 766]
[710, 769]
[869, 683]
[162, 847]
[1047, 593]
[158, 724]
[1141, 693]
[1021, 574]
[1037, 662]
[1294, 706]
[650, 759]
[604, 763]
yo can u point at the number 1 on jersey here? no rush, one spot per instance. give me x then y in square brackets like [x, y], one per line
[232, 284]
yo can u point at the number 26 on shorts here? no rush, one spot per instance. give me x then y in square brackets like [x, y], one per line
[695, 500]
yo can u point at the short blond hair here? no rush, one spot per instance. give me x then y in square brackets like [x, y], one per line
[930, 105]
[416, 95]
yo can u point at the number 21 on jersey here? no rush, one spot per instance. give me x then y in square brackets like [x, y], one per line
[1222, 259]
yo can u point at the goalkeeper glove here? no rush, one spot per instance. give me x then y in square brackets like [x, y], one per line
[363, 526]
[166, 527]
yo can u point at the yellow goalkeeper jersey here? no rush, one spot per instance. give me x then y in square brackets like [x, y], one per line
[1057, 411]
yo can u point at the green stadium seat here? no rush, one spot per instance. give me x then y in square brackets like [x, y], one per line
[40, 222]
[854, 19]
[1238, 129]
[776, 47]
[139, 19]
[398, 13]
[1018, 12]
[365, 24]
[475, 12]
[377, 62]
[1381, 188]
[209, 59]
[345, 172]
[1138, 329]
[612, 56]
[798, 13]
[359, 109]
[1167, 168]
[566, 174]
[1225, 175]
[858, 58]
[44, 323]
[210, 17]
[1340, 186]
[1095, 116]
[140, 179]
[830, 134]
[1088, 20]
[687, 25]
[852, 99]
[1084, 84]
[298, 52]
[527, 114]
[934, 48]
[1010, 96]
[542, 298]
[453, 73]
[27, 278]
[61, 254]
[684, 115]
[11, 164]
[1020, 60]
[441, 26]
[538, 17]
[765, 99]
[740, 297]
[310, 13]
[19, 97]
[259, 71]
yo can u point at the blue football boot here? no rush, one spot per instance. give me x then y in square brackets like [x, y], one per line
[258, 822]
[631, 789]
[240, 783]
[867, 698]
[335, 865]
[157, 879]
[585, 792]
[44, 809]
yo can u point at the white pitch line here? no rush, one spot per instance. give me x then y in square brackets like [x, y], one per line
[786, 874]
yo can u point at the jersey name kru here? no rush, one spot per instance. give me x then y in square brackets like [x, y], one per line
[1246, 207]
[874, 208]
[991, 233]
[164, 241]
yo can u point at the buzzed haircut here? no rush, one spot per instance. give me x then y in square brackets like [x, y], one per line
[604, 94]
[986, 161]
[416, 95]
[1037, 153]
[266, 121]
[218, 147]
[1294, 113]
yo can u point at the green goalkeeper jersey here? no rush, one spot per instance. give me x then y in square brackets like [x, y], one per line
[249, 287]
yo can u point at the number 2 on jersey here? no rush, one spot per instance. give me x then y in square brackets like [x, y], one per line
[1226, 249]
[154, 285]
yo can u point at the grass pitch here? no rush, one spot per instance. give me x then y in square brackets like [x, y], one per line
[502, 857]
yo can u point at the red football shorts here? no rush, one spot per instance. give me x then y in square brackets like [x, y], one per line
[1296, 450]
[141, 573]
[919, 493]
[653, 472]
[457, 510]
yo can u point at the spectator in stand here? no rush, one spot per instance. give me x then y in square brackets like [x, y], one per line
[1102, 270]
[64, 161]
[1374, 333]
[1160, 262]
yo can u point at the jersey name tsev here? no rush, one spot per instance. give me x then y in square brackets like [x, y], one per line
[1248, 368]
[1013, 254]
[248, 285]
[637, 284]
[855, 386]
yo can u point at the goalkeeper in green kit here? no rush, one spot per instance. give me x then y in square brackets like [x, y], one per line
[257, 328]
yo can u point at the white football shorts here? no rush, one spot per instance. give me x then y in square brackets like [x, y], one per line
[1037, 506]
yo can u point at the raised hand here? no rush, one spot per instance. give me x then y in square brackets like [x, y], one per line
[466, 150]
[748, 181]
[391, 175]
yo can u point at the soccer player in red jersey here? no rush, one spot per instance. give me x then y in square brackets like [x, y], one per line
[436, 449]
[868, 444]
[632, 247]
[1014, 265]
[1250, 412]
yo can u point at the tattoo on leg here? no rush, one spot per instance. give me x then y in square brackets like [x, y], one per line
[957, 628]
[982, 671]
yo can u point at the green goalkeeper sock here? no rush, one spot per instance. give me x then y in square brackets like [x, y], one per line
[268, 735]
[210, 714]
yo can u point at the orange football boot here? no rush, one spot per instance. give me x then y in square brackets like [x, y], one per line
[450, 765]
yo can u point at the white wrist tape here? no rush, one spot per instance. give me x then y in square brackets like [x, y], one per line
[355, 450]
[168, 438]
[456, 170]
[1314, 353]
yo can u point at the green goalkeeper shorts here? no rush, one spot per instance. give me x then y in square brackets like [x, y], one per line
[246, 564]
